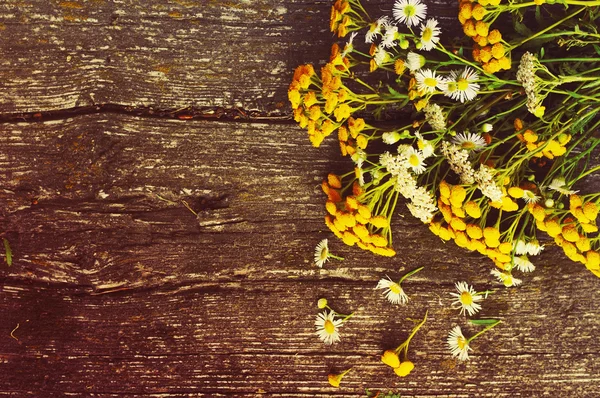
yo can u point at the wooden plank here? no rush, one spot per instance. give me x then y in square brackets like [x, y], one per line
[207, 341]
[164, 55]
[119, 290]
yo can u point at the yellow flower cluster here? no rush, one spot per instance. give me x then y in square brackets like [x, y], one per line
[459, 225]
[339, 21]
[489, 48]
[352, 221]
[571, 233]
[350, 137]
[391, 359]
[320, 104]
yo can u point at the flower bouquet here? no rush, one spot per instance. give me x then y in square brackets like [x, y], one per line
[494, 135]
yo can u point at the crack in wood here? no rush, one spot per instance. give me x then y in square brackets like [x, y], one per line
[190, 113]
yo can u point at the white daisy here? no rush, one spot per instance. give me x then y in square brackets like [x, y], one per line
[394, 292]
[349, 45]
[469, 141]
[375, 29]
[322, 253]
[389, 37]
[462, 86]
[327, 327]
[414, 61]
[415, 160]
[523, 264]
[391, 137]
[530, 196]
[458, 344]
[427, 81]
[410, 12]
[430, 34]
[559, 185]
[381, 55]
[426, 147]
[466, 298]
[507, 279]
[520, 247]
[533, 248]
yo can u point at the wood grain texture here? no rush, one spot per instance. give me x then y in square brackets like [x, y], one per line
[119, 290]
[161, 54]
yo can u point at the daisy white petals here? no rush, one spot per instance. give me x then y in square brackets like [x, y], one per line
[389, 38]
[410, 12]
[467, 299]
[469, 141]
[523, 264]
[507, 279]
[415, 61]
[327, 327]
[321, 253]
[430, 34]
[393, 291]
[458, 344]
[559, 185]
[428, 81]
[415, 160]
[375, 29]
[462, 86]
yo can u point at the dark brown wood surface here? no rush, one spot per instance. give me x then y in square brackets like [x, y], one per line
[119, 290]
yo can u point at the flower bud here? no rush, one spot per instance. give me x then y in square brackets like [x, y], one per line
[322, 303]
[487, 127]
[549, 202]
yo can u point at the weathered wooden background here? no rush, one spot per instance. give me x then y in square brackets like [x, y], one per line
[118, 290]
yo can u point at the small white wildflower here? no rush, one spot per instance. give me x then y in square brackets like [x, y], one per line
[469, 141]
[430, 34]
[426, 147]
[507, 279]
[458, 344]
[415, 160]
[393, 291]
[467, 299]
[410, 12]
[375, 29]
[462, 85]
[414, 61]
[389, 37]
[327, 327]
[523, 264]
[558, 184]
[428, 81]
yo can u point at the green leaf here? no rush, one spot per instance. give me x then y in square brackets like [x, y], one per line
[484, 321]
[574, 94]
[597, 48]
[8, 252]
[542, 52]
[522, 29]
[394, 92]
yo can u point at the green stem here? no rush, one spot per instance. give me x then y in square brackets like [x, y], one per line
[483, 331]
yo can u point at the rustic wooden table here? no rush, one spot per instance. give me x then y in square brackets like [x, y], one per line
[118, 290]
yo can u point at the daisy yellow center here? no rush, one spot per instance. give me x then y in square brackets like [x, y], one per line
[410, 11]
[329, 327]
[395, 288]
[414, 160]
[430, 81]
[323, 255]
[467, 145]
[461, 342]
[466, 298]
[427, 33]
[452, 86]
[462, 84]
